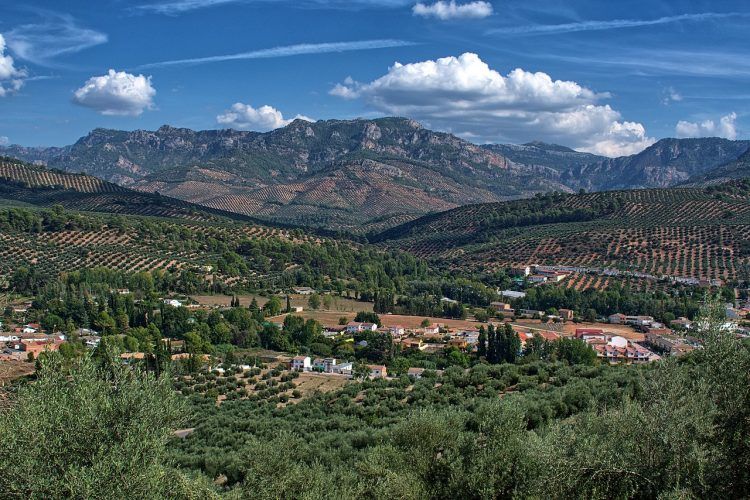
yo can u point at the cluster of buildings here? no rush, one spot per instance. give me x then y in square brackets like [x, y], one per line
[27, 341]
[332, 366]
[537, 274]
[615, 348]
[336, 367]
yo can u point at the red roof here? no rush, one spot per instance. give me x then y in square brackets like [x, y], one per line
[580, 332]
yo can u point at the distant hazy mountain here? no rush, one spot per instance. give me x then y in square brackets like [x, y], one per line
[735, 169]
[361, 175]
[666, 163]
[38, 155]
[554, 156]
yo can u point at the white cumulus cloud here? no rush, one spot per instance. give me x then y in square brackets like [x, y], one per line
[117, 93]
[463, 95]
[245, 117]
[4, 141]
[451, 10]
[726, 128]
[11, 78]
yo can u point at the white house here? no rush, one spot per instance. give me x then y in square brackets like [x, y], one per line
[304, 290]
[173, 302]
[433, 329]
[355, 327]
[329, 364]
[344, 369]
[520, 271]
[301, 364]
[617, 318]
[512, 294]
[378, 371]
[397, 330]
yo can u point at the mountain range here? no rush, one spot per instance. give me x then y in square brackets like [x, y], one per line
[364, 175]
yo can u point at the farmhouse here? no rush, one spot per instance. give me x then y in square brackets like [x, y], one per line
[590, 333]
[378, 371]
[522, 271]
[301, 364]
[553, 276]
[343, 369]
[30, 328]
[412, 343]
[617, 319]
[432, 329]
[502, 307]
[459, 343]
[396, 330]
[355, 327]
[304, 290]
[566, 314]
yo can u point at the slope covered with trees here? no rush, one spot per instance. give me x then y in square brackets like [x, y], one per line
[553, 429]
[697, 232]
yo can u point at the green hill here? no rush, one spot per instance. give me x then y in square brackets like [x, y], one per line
[696, 232]
[736, 169]
[37, 185]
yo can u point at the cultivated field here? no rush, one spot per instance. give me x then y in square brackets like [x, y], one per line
[695, 233]
[338, 304]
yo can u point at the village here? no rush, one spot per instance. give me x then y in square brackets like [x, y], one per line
[617, 338]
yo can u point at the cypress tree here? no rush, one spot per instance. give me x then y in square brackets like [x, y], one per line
[482, 347]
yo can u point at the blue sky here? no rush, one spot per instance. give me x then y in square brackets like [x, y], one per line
[607, 77]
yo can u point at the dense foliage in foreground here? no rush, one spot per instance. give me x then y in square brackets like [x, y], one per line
[677, 429]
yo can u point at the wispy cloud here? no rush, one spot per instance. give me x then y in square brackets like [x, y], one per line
[287, 51]
[671, 62]
[176, 7]
[551, 29]
[58, 34]
[180, 6]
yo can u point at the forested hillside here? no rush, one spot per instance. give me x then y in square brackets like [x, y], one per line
[22, 183]
[694, 232]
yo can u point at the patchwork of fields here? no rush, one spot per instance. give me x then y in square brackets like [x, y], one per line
[665, 232]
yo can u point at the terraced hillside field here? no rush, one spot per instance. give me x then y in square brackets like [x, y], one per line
[696, 232]
[51, 242]
[36, 185]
